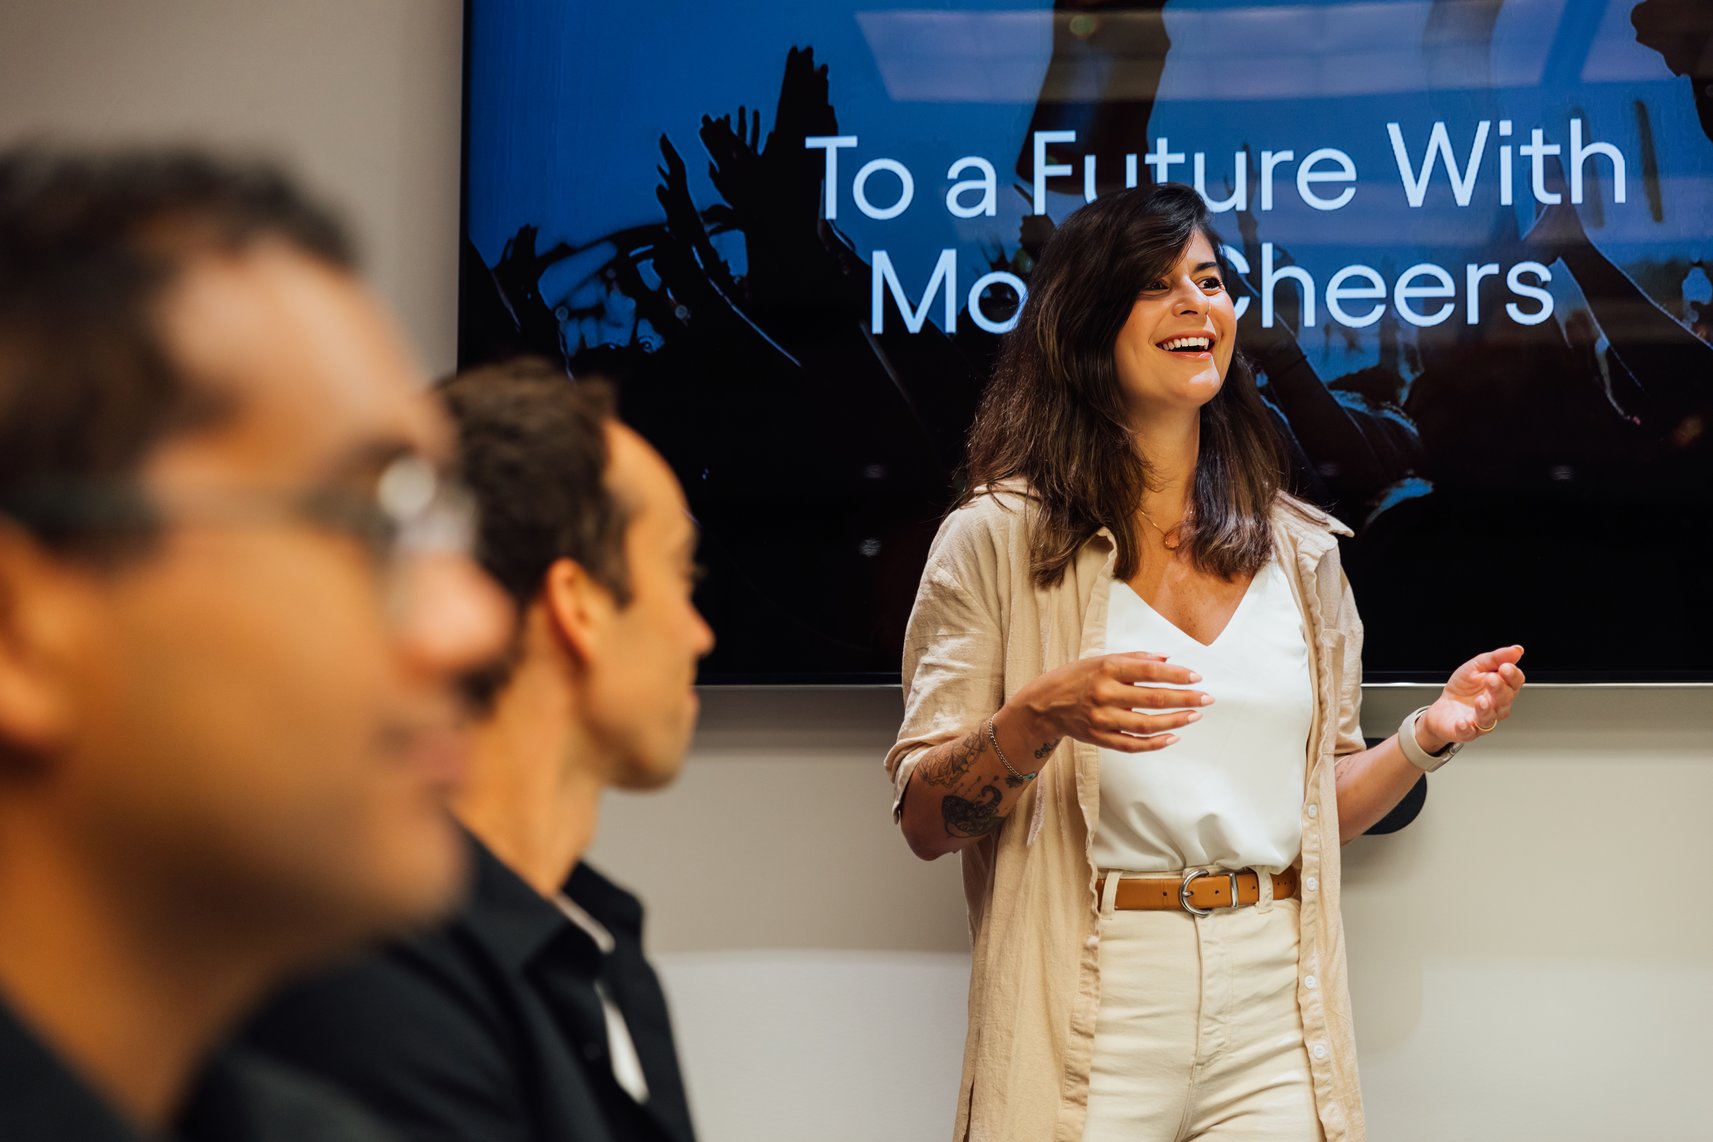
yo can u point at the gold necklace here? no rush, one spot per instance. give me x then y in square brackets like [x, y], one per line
[1167, 536]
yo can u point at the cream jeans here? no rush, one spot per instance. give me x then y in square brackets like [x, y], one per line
[1199, 1034]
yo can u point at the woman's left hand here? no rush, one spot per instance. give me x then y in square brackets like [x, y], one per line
[1477, 698]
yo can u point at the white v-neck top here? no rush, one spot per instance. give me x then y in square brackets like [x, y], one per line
[1229, 792]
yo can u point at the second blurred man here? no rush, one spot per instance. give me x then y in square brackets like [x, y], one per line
[533, 1014]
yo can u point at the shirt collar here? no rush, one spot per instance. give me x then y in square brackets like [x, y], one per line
[518, 924]
[236, 1097]
[1311, 531]
[44, 1100]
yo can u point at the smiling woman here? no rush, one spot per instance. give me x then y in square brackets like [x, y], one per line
[1176, 346]
[1123, 276]
[1152, 877]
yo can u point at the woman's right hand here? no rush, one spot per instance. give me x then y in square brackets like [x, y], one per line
[1111, 701]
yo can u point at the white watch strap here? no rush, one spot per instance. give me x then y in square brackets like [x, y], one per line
[1419, 757]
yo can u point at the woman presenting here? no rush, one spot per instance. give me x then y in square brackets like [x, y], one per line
[1132, 678]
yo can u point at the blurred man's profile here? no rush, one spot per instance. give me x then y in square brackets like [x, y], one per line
[532, 1013]
[234, 601]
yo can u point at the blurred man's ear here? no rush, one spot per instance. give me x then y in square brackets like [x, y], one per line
[44, 608]
[578, 608]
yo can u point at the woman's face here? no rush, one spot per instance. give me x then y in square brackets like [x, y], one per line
[1174, 350]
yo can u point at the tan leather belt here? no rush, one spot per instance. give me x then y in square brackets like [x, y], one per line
[1199, 891]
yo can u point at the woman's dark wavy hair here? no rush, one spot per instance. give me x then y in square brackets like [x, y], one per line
[1054, 413]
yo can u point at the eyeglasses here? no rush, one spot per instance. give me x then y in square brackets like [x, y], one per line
[412, 510]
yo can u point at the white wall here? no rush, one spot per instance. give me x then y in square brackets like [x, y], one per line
[1531, 960]
[362, 96]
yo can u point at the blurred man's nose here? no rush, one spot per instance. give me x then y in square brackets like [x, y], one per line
[704, 637]
[452, 618]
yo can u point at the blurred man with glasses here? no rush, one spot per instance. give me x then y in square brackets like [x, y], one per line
[234, 599]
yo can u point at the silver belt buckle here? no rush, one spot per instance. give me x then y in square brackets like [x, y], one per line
[1184, 892]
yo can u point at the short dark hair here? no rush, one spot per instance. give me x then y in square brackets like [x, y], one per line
[1054, 413]
[534, 450]
[89, 241]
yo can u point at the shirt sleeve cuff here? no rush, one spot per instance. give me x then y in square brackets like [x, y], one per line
[901, 782]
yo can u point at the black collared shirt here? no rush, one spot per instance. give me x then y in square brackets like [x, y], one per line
[491, 1028]
[237, 1098]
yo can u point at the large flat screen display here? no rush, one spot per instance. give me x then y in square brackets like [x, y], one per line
[1473, 242]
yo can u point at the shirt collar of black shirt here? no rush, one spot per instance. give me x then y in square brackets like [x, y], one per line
[236, 1098]
[518, 923]
[546, 952]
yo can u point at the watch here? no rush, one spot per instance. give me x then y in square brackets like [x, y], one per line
[1419, 757]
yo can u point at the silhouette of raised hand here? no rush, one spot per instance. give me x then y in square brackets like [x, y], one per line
[685, 223]
[736, 167]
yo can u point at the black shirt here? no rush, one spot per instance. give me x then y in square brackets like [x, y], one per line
[491, 1028]
[237, 1098]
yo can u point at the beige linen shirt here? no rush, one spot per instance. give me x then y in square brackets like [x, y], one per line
[980, 630]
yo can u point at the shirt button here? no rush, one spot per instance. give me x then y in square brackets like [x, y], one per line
[1319, 1050]
[1310, 982]
[1311, 884]
[1314, 811]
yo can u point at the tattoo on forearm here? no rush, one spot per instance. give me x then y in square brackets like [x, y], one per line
[947, 771]
[966, 818]
[1047, 748]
